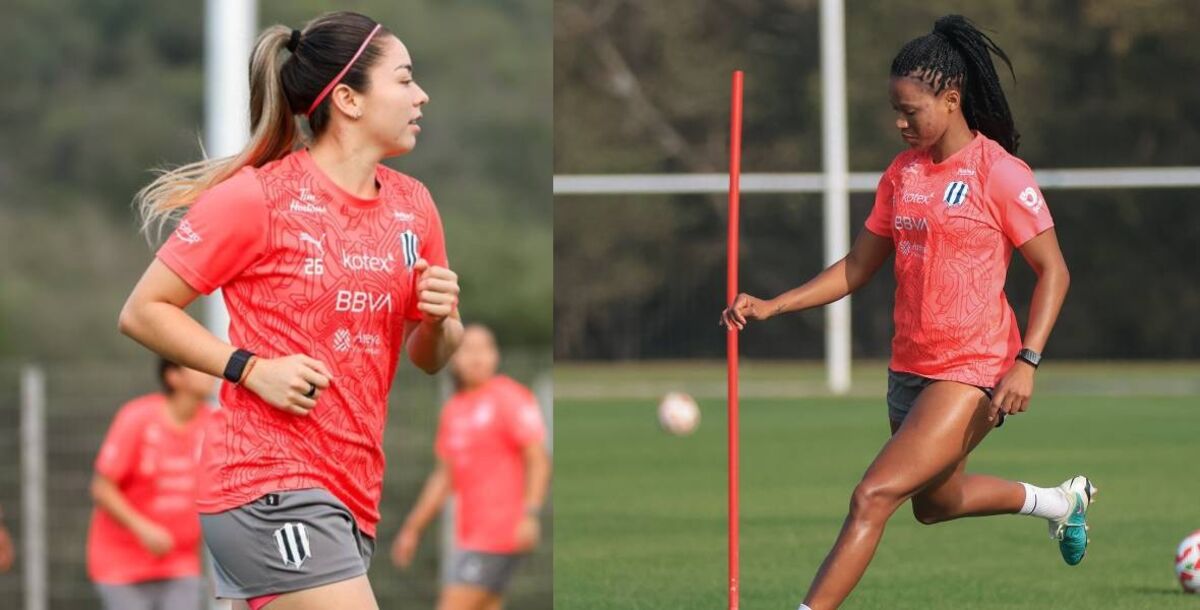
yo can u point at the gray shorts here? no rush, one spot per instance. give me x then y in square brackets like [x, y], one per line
[490, 571]
[167, 594]
[902, 392]
[283, 542]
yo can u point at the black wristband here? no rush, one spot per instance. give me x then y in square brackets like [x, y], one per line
[237, 365]
[1029, 357]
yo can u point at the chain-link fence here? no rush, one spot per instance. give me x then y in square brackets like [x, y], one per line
[81, 399]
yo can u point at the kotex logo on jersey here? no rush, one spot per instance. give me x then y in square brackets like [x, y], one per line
[956, 194]
[921, 198]
[368, 262]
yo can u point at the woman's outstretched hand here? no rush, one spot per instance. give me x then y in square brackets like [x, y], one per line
[744, 308]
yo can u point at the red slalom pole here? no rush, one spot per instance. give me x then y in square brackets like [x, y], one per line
[731, 335]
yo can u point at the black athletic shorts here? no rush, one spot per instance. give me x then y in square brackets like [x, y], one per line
[903, 389]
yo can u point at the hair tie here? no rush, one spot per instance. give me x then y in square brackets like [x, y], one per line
[294, 41]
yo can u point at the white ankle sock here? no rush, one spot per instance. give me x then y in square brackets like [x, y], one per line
[803, 607]
[1045, 503]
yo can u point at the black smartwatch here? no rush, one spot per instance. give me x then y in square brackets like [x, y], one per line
[237, 365]
[1029, 356]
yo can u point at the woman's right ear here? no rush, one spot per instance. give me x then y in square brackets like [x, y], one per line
[953, 100]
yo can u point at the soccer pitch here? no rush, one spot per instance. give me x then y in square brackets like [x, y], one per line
[640, 515]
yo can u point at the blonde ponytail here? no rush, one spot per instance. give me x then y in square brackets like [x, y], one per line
[273, 134]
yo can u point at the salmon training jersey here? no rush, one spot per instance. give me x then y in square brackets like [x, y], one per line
[954, 225]
[151, 460]
[482, 438]
[307, 268]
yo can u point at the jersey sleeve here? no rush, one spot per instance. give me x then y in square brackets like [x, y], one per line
[119, 452]
[523, 418]
[223, 232]
[1017, 202]
[431, 246]
[880, 220]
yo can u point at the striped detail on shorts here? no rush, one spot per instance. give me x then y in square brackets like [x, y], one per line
[292, 540]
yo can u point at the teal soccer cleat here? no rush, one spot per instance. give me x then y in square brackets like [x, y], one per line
[1071, 531]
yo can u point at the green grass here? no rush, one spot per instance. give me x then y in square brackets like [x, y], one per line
[640, 516]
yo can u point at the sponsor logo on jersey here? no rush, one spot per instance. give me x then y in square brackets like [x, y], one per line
[306, 203]
[404, 216]
[910, 223]
[186, 234]
[483, 415]
[306, 208]
[319, 243]
[966, 171]
[367, 262]
[907, 248]
[292, 540]
[344, 340]
[314, 265]
[409, 244]
[917, 198]
[1031, 200]
[956, 194]
[341, 340]
[360, 301]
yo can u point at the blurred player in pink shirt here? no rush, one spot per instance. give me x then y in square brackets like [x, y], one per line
[143, 550]
[491, 456]
[952, 209]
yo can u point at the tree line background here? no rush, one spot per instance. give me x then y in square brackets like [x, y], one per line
[96, 93]
[99, 92]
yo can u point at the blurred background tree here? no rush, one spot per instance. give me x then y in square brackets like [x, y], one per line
[643, 87]
[99, 92]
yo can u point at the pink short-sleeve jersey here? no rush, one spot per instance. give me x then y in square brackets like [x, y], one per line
[482, 437]
[307, 268]
[152, 461]
[954, 225]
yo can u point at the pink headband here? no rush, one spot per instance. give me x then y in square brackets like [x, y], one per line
[333, 83]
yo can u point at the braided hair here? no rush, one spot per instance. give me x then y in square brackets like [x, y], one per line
[956, 54]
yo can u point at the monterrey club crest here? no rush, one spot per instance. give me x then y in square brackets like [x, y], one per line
[956, 194]
[408, 242]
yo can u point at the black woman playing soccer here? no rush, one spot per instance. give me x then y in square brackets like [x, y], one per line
[952, 208]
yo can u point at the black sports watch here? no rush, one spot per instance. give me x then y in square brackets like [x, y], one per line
[237, 365]
[1029, 356]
